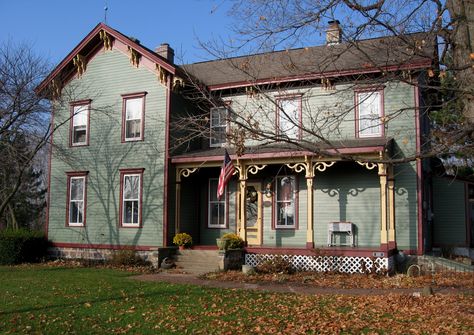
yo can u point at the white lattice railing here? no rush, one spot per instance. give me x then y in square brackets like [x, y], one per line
[344, 264]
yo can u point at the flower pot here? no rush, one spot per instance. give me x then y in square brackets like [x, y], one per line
[181, 247]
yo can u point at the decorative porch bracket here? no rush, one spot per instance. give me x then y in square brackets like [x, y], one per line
[310, 170]
[243, 172]
[185, 172]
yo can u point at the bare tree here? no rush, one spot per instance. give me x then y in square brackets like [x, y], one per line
[24, 126]
[413, 31]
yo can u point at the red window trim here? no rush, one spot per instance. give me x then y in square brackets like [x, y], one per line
[68, 196]
[125, 97]
[226, 208]
[279, 98]
[71, 121]
[380, 89]
[124, 172]
[297, 225]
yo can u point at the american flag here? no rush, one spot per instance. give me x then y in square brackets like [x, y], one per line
[227, 170]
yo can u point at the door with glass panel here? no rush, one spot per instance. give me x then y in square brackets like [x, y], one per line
[253, 213]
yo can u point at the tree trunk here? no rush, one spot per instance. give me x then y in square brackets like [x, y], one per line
[462, 41]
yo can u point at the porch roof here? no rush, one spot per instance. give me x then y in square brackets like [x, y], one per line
[335, 150]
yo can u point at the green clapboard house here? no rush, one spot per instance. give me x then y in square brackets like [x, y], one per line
[321, 161]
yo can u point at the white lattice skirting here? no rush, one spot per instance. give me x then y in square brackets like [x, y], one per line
[344, 264]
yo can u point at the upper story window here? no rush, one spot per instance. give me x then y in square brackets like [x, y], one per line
[289, 117]
[218, 129]
[285, 202]
[216, 206]
[76, 199]
[133, 117]
[79, 134]
[131, 197]
[369, 110]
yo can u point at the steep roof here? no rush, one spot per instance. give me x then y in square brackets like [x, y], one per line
[90, 43]
[372, 55]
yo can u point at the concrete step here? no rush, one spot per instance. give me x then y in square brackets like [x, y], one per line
[197, 261]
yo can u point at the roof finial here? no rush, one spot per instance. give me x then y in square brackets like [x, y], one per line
[106, 8]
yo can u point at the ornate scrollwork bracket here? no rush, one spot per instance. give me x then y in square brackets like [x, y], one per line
[253, 169]
[80, 63]
[162, 74]
[368, 165]
[134, 57]
[322, 166]
[106, 39]
[186, 172]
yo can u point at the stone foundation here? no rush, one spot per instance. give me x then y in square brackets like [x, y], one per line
[154, 256]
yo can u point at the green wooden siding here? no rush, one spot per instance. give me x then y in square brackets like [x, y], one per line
[449, 206]
[347, 192]
[406, 210]
[108, 75]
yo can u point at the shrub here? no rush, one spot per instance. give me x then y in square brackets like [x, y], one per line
[127, 258]
[183, 239]
[233, 241]
[22, 246]
[275, 265]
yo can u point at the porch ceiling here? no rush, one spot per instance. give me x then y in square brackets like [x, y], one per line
[286, 152]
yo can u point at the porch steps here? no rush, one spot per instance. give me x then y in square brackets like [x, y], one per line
[197, 261]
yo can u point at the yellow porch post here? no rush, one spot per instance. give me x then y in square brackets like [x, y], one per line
[391, 209]
[243, 181]
[383, 202]
[310, 228]
[177, 201]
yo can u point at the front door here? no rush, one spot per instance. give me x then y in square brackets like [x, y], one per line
[253, 213]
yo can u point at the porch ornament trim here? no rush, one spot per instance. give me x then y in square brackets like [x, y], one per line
[298, 167]
[253, 169]
[186, 172]
[368, 165]
[322, 166]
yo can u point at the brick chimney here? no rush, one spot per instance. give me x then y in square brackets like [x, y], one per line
[333, 33]
[165, 51]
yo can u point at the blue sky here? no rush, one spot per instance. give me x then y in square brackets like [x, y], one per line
[55, 27]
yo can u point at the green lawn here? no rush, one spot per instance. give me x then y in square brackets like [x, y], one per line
[59, 300]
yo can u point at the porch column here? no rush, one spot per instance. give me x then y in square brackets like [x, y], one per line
[243, 186]
[177, 201]
[383, 203]
[392, 242]
[310, 229]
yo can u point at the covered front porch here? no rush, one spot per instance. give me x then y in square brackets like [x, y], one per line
[293, 203]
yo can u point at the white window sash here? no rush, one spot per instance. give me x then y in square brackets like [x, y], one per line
[370, 113]
[133, 112]
[80, 202]
[131, 199]
[80, 120]
[289, 117]
[218, 126]
[289, 205]
[212, 196]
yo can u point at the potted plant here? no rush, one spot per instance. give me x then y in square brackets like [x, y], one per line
[183, 240]
[230, 241]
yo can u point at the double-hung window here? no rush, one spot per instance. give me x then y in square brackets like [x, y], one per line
[369, 107]
[76, 203]
[133, 117]
[131, 198]
[216, 207]
[285, 202]
[79, 134]
[218, 129]
[289, 117]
